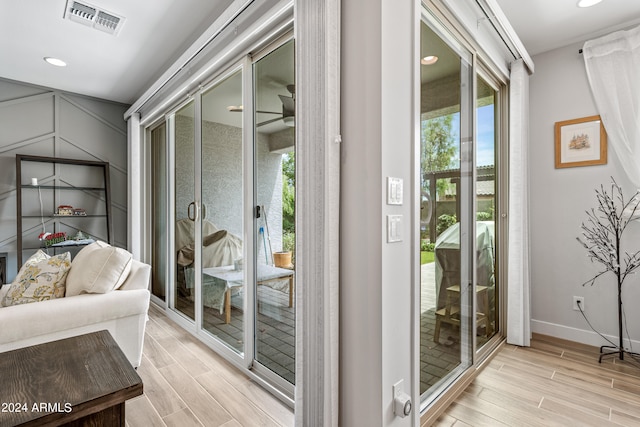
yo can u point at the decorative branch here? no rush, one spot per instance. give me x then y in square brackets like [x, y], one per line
[602, 233]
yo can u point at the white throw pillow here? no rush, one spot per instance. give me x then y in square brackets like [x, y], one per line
[41, 278]
[97, 269]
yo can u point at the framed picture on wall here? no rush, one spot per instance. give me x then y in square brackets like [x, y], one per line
[581, 142]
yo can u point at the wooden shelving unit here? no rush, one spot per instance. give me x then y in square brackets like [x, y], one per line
[58, 189]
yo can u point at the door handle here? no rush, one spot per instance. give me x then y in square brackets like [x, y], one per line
[204, 211]
[189, 215]
[426, 218]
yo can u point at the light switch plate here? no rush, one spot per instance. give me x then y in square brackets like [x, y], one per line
[394, 228]
[394, 191]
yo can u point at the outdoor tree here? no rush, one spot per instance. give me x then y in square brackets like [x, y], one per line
[438, 148]
[288, 200]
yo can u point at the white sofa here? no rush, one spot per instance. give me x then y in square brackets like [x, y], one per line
[122, 312]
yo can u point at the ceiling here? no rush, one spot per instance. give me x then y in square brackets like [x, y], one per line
[156, 32]
[114, 67]
[544, 25]
[273, 73]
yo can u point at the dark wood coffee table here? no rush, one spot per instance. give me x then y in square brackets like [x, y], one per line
[79, 381]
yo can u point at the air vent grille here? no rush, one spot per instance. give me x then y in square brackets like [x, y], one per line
[93, 16]
[82, 11]
[107, 22]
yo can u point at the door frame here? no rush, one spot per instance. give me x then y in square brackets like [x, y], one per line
[466, 212]
[245, 360]
[317, 33]
[482, 66]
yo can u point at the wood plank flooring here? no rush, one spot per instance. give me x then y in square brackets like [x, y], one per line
[552, 383]
[187, 384]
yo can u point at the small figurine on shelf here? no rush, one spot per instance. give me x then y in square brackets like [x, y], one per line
[82, 239]
[65, 210]
[79, 212]
[52, 239]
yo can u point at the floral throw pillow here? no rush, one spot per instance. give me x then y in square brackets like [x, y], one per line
[41, 278]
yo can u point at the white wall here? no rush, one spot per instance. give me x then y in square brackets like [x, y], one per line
[46, 122]
[375, 276]
[559, 199]
[379, 120]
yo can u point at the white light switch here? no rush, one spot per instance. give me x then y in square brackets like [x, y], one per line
[394, 191]
[394, 228]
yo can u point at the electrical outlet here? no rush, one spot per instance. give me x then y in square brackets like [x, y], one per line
[576, 301]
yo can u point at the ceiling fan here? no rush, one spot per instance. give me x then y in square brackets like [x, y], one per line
[287, 115]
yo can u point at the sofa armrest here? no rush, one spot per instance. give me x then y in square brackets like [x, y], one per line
[45, 317]
[139, 276]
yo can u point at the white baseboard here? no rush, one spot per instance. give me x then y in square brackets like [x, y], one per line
[578, 335]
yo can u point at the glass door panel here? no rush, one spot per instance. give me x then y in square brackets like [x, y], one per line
[223, 275]
[274, 155]
[226, 181]
[184, 209]
[486, 203]
[446, 157]
[159, 202]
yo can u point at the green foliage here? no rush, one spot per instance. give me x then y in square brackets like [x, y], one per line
[427, 257]
[445, 221]
[289, 168]
[289, 203]
[438, 149]
[427, 246]
[288, 241]
[484, 216]
[288, 193]
[288, 207]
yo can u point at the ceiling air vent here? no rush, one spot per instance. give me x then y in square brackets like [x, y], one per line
[107, 22]
[93, 16]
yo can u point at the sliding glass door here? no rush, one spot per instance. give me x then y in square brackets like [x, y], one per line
[486, 207]
[274, 156]
[445, 161]
[185, 210]
[231, 167]
[159, 204]
[458, 202]
[223, 278]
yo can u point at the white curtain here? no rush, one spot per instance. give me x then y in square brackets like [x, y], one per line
[613, 69]
[519, 283]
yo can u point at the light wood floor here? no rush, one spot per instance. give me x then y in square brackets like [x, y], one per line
[187, 384]
[553, 383]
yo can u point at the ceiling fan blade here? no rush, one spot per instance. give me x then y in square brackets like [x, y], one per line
[240, 110]
[288, 105]
[266, 122]
[234, 109]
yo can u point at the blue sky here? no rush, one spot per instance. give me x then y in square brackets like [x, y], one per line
[485, 139]
[486, 136]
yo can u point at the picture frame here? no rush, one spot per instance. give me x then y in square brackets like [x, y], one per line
[580, 142]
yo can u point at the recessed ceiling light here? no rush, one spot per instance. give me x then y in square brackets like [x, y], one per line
[429, 60]
[55, 61]
[588, 3]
